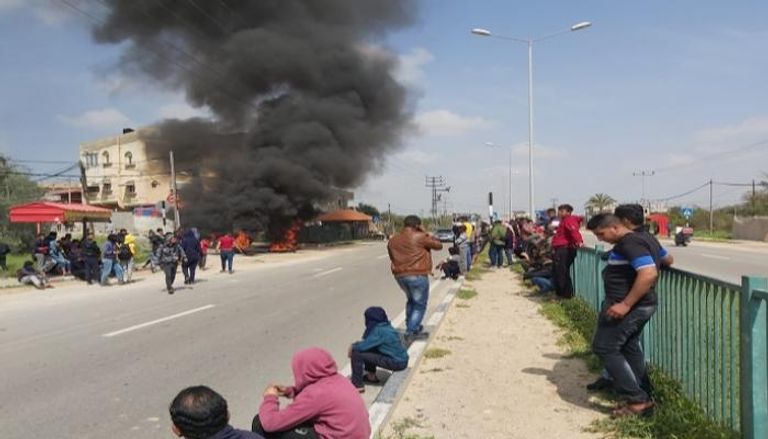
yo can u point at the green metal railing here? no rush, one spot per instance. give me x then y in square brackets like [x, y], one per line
[710, 335]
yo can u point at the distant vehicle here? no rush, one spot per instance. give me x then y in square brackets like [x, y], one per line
[444, 235]
[683, 237]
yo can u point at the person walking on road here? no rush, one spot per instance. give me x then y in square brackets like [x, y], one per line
[200, 412]
[109, 263]
[325, 404]
[630, 302]
[566, 241]
[380, 347]
[191, 246]
[409, 252]
[205, 244]
[91, 254]
[226, 248]
[169, 255]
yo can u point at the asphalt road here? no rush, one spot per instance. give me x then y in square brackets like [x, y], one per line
[723, 261]
[92, 362]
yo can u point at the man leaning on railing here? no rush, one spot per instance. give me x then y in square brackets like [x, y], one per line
[630, 301]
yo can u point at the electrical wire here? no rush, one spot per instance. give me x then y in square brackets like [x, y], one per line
[684, 193]
[702, 158]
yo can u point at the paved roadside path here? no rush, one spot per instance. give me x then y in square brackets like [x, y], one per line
[505, 376]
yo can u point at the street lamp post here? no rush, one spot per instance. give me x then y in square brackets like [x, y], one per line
[493, 145]
[529, 42]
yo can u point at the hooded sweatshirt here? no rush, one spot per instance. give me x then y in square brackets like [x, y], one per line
[320, 395]
[567, 234]
[381, 337]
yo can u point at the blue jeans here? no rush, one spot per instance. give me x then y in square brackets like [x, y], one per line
[617, 343]
[416, 289]
[227, 257]
[545, 285]
[496, 254]
[109, 265]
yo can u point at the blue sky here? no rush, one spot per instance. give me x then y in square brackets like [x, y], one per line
[653, 85]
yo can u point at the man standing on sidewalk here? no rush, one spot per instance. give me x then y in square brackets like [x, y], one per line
[411, 259]
[564, 244]
[630, 301]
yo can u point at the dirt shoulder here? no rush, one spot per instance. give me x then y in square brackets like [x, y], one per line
[502, 375]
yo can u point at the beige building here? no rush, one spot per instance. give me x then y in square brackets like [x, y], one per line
[119, 173]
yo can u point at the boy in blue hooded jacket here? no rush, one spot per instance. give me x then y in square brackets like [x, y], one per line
[380, 347]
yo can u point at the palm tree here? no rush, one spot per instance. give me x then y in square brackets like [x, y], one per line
[600, 202]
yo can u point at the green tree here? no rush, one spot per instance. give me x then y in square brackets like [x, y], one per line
[15, 188]
[600, 202]
[368, 209]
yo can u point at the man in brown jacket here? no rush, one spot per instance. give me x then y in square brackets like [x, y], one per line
[409, 252]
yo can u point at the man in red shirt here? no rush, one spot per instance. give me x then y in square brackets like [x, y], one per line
[564, 244]
[227, 252]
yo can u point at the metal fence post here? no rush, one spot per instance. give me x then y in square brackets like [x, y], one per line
[753, 326]
[598, 276]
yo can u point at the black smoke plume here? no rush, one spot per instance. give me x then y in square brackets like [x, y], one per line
[302, 95]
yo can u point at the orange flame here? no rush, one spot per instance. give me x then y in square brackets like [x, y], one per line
[290, 241]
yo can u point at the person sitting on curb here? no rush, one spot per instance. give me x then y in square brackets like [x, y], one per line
[200, 413]
[380, 347]
[325, 404]
[28, 275]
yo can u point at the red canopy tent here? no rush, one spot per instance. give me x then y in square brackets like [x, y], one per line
[46, 212]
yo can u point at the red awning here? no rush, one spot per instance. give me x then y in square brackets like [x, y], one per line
[344, 215]
[46, 212]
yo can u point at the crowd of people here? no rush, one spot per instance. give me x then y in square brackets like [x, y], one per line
[116, 258]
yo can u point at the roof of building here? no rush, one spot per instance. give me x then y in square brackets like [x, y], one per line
[344, 215]
[49, 212]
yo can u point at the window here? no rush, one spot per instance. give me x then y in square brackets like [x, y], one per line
[129, 160]
[106, 188]
[105, 154]
[91, 160]
[130, 190]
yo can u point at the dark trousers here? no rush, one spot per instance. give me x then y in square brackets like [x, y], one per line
[303, 431]
[496, 255]
[618, 343]
[3, 263]
[562, 261]
[369, 361]
[189, 268]
[170, 273]
[92, 272]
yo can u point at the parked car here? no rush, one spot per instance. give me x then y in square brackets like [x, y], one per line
[444, 235]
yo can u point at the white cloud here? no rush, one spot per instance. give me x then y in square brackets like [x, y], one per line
[750, 130]
[416, 157]
[539, 152]
[180, 110]
[41, 9]
[411, 67]
[7, 5]
[107, 118]
[448, 123]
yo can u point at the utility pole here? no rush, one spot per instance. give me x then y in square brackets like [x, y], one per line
[754, 198]
[554, 203]
[174, 191]
[389, 217]
[644, 174]
[437, 184]
[711, 211]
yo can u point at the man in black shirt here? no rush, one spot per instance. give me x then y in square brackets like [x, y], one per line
[630, 301]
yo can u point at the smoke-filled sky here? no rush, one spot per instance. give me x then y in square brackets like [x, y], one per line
[654, 85]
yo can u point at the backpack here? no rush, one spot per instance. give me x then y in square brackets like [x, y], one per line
[125, 253]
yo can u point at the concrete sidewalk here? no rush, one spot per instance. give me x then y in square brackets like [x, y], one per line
[502, 375]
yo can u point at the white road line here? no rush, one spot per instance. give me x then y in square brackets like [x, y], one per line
[154, 322]
[724, 258]
[382, 256]
[326, 273]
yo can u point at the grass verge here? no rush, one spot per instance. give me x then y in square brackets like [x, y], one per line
[675, 417]
[433, 353]
[466, 294]
[479, 266]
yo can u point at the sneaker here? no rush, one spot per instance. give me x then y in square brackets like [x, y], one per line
[600, 384]
[360, 389]
[230, 271]
[170, 290]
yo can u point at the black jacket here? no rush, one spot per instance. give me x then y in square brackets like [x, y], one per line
[231, 433]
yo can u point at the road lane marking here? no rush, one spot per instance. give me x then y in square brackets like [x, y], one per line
[724, 258]
[382, 256]
[154, 322]
[326, 273]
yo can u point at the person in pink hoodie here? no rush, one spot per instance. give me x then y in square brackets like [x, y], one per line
[323, 400]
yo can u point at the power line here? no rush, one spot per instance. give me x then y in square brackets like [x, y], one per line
[714, 155]
[684, 193]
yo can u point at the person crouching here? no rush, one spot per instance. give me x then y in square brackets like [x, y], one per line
[380, 347]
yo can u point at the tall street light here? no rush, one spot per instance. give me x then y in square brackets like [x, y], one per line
[493, 145]
[529, 41]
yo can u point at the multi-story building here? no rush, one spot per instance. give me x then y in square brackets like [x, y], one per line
[119, 172]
